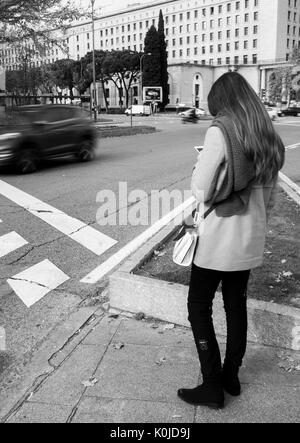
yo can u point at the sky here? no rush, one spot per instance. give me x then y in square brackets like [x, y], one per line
[112, 5]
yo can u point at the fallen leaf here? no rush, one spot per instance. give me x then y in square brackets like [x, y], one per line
[283, 261]
[287, 274]
[139, 316]
[176, 416]
[154, 326]
[90, 383]
[169, 327]
[118, 346]
[161, 361]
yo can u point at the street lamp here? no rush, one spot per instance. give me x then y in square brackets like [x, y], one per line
[94, 63]
[141, 68]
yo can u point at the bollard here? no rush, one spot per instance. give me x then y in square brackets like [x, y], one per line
[2, 339]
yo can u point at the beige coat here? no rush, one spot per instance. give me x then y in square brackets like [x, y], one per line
[233, 243]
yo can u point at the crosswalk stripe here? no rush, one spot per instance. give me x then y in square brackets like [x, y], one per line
[78, 231]
[11, 242]
[34, 283]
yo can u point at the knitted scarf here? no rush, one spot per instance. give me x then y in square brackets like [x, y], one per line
[232, 198]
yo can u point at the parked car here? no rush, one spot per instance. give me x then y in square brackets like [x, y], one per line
[138, 110]
[291, 110]
[46, 132]
[198, 111]
[273, 113]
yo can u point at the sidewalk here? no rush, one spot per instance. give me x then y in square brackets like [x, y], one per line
[124, 370]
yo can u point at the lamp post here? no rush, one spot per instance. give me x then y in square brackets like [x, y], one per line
[95, 101]
[141, 68]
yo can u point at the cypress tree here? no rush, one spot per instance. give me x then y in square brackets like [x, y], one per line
[151, 63]
[163, 60]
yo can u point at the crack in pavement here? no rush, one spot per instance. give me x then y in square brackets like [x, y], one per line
[40, 380]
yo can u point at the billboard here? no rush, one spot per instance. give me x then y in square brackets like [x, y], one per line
[153, 93]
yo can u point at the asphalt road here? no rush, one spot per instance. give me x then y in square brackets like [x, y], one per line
[160, 161]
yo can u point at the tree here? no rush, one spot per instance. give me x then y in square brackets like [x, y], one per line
[83, 72]
[163, 60]
[284, 82]
[123, 69]
[34, 19]
[62, 73]
[152, 64]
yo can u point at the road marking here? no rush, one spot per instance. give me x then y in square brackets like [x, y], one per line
[291, 147]
[131, 247]
[289, 124]
[78, 231]
[34, 283]
[11, 242]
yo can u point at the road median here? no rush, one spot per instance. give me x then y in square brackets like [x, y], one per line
[124, 131]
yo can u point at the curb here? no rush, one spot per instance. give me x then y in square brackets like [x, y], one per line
[269, 323]
[291, 188]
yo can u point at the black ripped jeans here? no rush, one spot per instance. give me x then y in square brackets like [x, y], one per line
[203, 286]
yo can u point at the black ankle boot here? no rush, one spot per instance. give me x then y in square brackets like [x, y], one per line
[207, 394]
[230, 381]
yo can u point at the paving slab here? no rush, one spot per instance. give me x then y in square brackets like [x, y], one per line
[65, 386]
[104, 332]
[145, 373]
[41, 413]
[257, 404]
[262, 366]
[108, 410]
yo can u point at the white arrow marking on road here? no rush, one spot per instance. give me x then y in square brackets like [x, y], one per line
[36, 282]
[121, 255]
[11, 242]
[78, 231]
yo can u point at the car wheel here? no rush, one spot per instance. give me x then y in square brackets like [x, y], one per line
[27, 162]
[86, 151]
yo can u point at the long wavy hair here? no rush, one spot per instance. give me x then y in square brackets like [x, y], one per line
[232, 95]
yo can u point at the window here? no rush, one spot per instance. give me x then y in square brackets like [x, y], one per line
[245, 59]
[254, 59]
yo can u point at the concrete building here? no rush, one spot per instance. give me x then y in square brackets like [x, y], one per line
[205, 38]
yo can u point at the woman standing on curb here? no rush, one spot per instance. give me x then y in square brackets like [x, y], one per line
[236, 174]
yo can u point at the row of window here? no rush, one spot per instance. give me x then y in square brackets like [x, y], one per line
[204, 25]
[228, 46]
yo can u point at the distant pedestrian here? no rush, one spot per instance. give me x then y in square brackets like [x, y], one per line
[236, 174]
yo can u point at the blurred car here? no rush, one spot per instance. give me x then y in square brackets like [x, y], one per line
[273, 113]
[46, 132]
[198, 111]
[291, 110]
